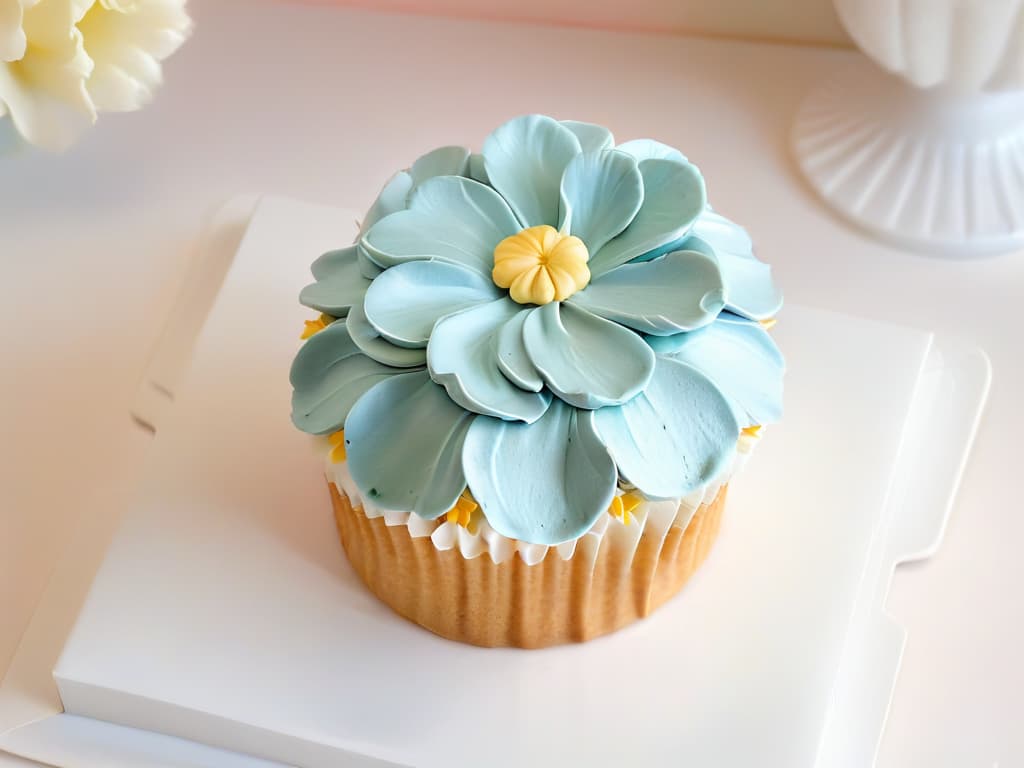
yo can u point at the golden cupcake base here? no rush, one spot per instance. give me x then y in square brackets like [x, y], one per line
[603, 587]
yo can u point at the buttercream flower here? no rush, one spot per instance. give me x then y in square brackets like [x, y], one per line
[536, 322]
[62, 61]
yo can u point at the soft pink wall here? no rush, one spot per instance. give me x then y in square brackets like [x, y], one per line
[812, 21]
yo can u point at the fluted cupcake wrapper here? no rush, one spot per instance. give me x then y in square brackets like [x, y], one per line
[608, 582]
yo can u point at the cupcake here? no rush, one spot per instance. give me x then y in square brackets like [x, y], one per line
[534, 374]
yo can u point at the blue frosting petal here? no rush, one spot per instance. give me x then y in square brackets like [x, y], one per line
[741, 358]
[592, 137]
[392, 198]
[543, 483]
[748, 281]
[649, 149]
[674, 437]
[404, 303]
[443, 161]
[339, 283]
[462, 357]
[677, 292]
[408, 421]
[601, 193]
[586, 360]
[368, 268]
[328, 375]
[449, 218]
[674, 197]
[512, 358]
[376, 346]
[524, 160]
[477, 172]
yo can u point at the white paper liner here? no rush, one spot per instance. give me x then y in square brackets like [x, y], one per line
[662, 515]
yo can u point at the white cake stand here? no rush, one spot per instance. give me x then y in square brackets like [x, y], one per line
[923, 144]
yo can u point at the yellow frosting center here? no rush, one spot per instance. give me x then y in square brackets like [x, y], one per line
[541, 265]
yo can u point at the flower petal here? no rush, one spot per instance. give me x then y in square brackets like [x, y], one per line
[12, 36]
[392, 198]
[328, 375]
[586, 360]
[339, 283]
[376, 346]
[542, 483]
[127, 47]
[677, 292]
[748, 281]
[476, 169]
[443, 161]
[45, 91]
[404, 442]
[449, 218]
[461, 357]
[524, 160]
[674, 437]
[674, 197]
[741, 358]
[405, 301]
[592, 137]
[601, 192]
[649, 149]
[512, 358]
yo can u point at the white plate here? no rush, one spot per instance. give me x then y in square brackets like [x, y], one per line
[225, 611]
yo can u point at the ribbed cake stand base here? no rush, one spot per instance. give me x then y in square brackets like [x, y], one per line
[925, 169]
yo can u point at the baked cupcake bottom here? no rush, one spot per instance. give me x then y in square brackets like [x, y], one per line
[601, 588]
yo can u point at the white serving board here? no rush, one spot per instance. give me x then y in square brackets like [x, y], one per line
[226, 613]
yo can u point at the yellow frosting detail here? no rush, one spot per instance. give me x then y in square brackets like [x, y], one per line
[540, 265]
[621, 506]
[466, 512]
[337, 441]
[313, 327]
[754, 431]
[768, 323]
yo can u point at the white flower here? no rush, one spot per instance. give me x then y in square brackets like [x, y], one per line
[61, 61]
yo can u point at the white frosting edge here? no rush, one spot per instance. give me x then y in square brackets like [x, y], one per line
[445, 535]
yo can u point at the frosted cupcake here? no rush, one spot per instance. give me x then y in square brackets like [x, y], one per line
[537, 370]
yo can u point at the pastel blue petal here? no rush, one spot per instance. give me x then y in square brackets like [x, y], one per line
[674, 197]
[524, 160]
[601, 193]
[449, 218]
[592, 137]
[676, 436]
[543, 483]
[512, 358]
[649, 149]
[328, 375]
[443, 161]
[462, 357]
[376, 346]
[586, 360]
[404, 440]
[677, 292]
[392, 198]
[742, 360]
[477, 172]
[405, 301]
[339, 285]
[368, 268]
[748, 281]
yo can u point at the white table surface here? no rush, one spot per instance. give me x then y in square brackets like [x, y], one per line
[322, 104]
